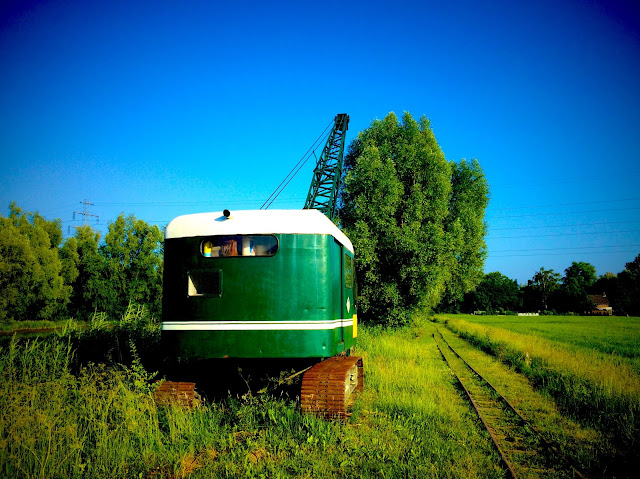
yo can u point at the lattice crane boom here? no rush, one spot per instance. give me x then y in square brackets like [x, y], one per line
[323, 191]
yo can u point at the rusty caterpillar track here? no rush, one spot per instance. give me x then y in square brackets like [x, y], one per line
[524, 451]
[328, 388]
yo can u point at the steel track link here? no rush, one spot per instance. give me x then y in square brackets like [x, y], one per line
[524, 451]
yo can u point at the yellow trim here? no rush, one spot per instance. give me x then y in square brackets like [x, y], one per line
[355, 325]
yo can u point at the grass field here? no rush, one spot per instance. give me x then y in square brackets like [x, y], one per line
[62, 418]
[594, 380]
[103, 422]
[612, 335]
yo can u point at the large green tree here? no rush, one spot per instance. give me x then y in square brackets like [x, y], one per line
[32, 282]
[543, 285]
[467, 229]
[578, 278]
[407, 211]
[132, 252]
[81, 253]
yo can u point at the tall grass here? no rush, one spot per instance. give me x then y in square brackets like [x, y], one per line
[61, 326]
[600, 390]
[618, 336]
[410, 385]
[59, 418]
[56, 424]
[113, 342]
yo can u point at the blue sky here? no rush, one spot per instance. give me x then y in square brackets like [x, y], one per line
[166, 108]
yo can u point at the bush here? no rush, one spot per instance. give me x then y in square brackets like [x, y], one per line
[135, 334]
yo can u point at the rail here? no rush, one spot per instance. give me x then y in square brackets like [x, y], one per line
[523, 450]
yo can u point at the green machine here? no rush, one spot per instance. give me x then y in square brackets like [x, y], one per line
[270, 284]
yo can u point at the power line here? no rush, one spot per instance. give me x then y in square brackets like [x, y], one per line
[563, 226]
[567, 248]
[57, 208]
[551, 181]
[84, 213]
[567, 213]
[194, 203]
[566, 234]
[296, 168]
[565, 254]
[565, 204]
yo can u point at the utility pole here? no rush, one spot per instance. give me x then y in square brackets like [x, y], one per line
[84, 213]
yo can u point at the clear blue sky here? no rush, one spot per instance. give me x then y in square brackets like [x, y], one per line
[167, 108]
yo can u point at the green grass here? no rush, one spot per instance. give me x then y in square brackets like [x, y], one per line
[39, 325]
[584, 445]
[617, 335]
[63, 414]
[101, 421]
[598, 386]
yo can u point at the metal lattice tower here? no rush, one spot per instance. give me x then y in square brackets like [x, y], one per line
[84, 213]
[323, 191]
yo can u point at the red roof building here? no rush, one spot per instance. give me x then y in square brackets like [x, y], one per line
[601, 303]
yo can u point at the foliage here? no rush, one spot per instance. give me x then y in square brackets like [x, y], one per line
[465, 223]
[135, 335]
[496, 292]
[622, 290]
[544, 283]
[577, 279]
[628, 294]
[40, 279]
[32, 278]
[415, 219]
[82, 254]
[132, 253]
[549, 293]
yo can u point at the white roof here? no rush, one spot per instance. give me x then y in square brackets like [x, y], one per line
[247, 222]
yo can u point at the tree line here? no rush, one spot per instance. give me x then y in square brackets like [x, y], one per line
[416, 221]
[43, 277]
[548, 291]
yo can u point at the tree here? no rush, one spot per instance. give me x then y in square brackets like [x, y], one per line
[31, 275]
[90, 291]
[606, 283]
[577, 279]
[543, 284]
[629, 288]
[466, 225]
[496, 292]
[132, 254]
[398, 206]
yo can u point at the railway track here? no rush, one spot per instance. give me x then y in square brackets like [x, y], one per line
[524, 451]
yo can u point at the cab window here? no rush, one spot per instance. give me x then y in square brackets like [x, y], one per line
[239, 245]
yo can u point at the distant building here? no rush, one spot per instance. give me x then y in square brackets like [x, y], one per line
[601, 303]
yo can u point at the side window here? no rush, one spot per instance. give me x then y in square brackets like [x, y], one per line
[204, 283]
[348, 271]
[239, 245]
